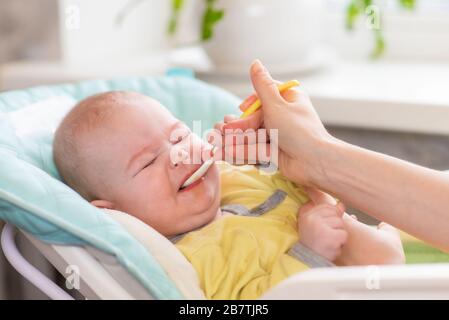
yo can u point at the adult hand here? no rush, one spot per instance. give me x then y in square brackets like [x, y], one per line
[301, 136]
[405, 195]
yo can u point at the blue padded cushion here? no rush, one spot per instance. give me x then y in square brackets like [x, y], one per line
[33, 198]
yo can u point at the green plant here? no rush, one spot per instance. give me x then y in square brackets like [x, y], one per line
[211, 16]
[356, 8]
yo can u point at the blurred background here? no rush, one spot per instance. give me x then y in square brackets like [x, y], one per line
[377, 71]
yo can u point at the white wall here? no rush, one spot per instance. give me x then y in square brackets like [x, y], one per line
[28, 30]
[89, 33]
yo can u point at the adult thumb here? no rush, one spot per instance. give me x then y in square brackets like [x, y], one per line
[265, 86]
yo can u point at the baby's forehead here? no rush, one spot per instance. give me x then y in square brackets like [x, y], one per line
[113, 113]
[121, 99]
[145, 112]
[123, 105]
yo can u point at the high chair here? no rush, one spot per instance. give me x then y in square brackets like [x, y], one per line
[115, 256]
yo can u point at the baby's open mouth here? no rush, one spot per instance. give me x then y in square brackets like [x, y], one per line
[198, 175]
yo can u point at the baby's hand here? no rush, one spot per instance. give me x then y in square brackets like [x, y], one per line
[321, 226]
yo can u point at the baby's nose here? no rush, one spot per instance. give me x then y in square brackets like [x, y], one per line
[178, 155]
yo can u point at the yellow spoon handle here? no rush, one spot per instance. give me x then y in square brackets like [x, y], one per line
[257, 104]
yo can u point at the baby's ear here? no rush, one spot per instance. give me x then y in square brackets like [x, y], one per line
[103, 204]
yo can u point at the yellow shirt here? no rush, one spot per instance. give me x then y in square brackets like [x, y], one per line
[241, 257]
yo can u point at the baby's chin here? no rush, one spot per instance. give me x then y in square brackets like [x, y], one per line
[199, 220]
[211, 202]
[211, 213]
[214, 210]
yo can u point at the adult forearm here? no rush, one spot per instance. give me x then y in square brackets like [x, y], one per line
[412, 198]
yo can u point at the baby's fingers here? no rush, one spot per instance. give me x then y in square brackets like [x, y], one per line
[327, 210]
[388, 228]
[336, 241]
[335, 223]
[306, 208]
[320, 197]
[341, 237]
[341, 208]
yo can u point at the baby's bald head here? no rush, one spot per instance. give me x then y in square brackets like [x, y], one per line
[79, 136]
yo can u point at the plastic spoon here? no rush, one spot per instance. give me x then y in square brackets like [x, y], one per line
[257, 104]
[201, 170]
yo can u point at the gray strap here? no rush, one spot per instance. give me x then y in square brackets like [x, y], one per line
[298, 251]
[237, 209]
[309, 257]
[177, 237]
[272, 202]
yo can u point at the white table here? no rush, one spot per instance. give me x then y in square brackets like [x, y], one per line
[378, 95]
[403, 97]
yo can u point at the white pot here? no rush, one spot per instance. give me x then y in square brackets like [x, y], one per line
[90, 34]
[280, 33]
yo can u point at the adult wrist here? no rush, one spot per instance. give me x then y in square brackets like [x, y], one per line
[328, 158]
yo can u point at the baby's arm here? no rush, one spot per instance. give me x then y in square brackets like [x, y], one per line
[370, 244]
[326, 229]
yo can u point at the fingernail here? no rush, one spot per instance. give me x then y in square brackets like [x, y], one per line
[258, 66]
[230, 118]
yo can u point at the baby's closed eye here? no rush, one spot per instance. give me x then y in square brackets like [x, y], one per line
[179, 134]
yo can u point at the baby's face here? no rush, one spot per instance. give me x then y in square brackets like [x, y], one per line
[140, 169]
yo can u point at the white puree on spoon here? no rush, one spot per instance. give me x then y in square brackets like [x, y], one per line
[198, 174]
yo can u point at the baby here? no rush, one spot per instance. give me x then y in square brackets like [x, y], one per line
[116, 150]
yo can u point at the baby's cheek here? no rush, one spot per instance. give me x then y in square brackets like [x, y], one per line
[159, 198]
[155, 198]
[160, 212]
[214, 185]
[216, 182]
